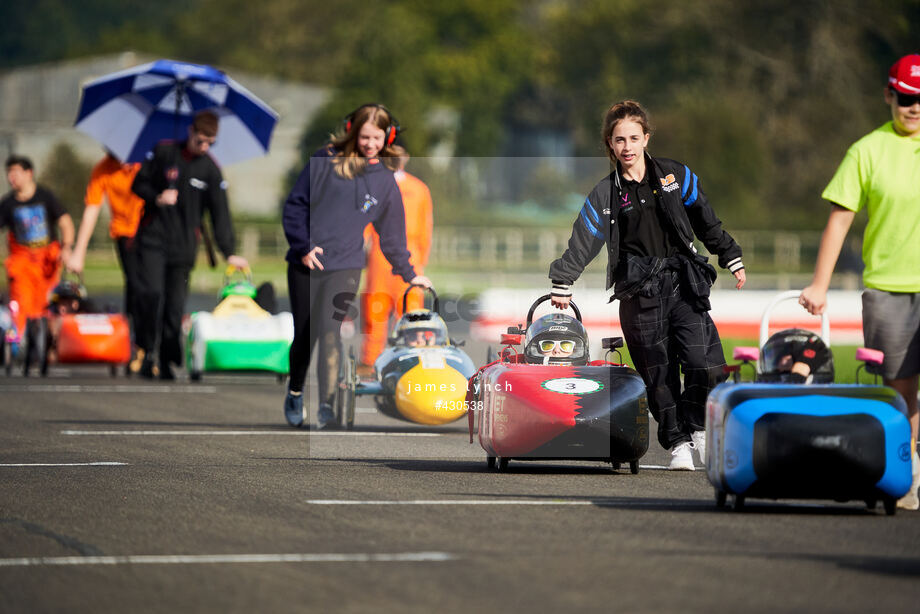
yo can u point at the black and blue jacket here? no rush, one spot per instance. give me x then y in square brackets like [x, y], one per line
[683, 205]
[329, 211]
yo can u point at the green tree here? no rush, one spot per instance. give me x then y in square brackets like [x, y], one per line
[66, 174]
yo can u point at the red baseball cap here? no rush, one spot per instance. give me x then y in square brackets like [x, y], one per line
[904, 75]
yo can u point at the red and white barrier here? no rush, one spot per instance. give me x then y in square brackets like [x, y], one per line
[737, 314]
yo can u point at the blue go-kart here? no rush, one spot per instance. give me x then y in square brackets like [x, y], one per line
[793, 433]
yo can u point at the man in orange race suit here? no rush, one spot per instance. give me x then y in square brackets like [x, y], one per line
[40, 236]
[384, 291]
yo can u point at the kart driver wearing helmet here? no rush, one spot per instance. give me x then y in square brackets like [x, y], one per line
[556, 339]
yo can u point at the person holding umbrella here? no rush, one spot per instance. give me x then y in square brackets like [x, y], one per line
[178, 183]
[347, 185]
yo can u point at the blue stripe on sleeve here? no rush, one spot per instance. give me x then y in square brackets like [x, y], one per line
[693, 194]
[591, 228]
[594, 217]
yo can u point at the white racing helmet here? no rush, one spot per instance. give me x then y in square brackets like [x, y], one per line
[420, 328]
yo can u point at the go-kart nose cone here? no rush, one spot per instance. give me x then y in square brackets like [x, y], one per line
[431, 396]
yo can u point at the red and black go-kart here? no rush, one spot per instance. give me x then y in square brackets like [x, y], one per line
[551, 401]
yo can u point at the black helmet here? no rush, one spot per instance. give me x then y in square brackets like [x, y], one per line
[552, 331]
[67, 291]
[792, 345]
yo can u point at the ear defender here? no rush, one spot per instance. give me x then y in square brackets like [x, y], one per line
[391, 132]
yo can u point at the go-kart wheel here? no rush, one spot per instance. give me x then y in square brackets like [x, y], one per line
[345, 392]
[338, 402]
[721, 497]
[4, 352]
[195, 376]
[351, 387]
[738, 503]
[26, 348]
[634, 467]
[44, 346]
[8, 356]
[490, 462]
[891, 505]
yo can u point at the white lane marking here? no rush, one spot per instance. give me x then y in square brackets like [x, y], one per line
[185, 559]
[653, 466]
[95, 464]
[301, 433]
[113, 388]
[610, 502]
[664, 467]
[452, 502]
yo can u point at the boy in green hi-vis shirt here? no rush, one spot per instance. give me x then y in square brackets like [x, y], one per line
[881, 172]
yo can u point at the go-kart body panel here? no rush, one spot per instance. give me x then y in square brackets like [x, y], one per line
[91, 337]
[560, 411]
[239, 336]
[820, 441]
[425, 385]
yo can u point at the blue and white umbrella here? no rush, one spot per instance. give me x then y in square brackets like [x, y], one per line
[131, 110]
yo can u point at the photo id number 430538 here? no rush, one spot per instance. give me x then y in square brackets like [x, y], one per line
[458, 405]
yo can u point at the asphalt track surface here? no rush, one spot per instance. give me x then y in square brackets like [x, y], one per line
[120, 495]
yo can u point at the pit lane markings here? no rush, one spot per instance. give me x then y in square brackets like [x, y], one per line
[93, 464]
[188, 559]
[152, 389]
[301, 433]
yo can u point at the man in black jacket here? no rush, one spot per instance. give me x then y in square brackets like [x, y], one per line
[178, 182]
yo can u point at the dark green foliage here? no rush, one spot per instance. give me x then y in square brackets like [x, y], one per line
[66, 175]
[761, 99]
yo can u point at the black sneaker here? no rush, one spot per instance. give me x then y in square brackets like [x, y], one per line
[166, 372]
[147, 370]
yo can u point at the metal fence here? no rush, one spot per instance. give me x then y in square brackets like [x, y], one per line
[512, 248]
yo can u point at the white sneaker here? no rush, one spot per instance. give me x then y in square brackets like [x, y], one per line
[699, 443]
[682, 457]
[911, 501]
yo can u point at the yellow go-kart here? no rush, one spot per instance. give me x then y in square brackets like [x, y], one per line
[420, 377]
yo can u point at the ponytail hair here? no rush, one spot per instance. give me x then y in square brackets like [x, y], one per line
[627, 109]
[348, 161]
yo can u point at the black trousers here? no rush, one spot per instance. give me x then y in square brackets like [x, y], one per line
[127, 257]
[319, 302]
[159, 299]
[666, 336]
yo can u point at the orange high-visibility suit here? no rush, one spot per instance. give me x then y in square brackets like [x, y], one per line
[33, 266]
[384, 291]
[32, 273]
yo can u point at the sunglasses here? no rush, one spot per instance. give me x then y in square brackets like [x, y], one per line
[547, 345]
[906, 100]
